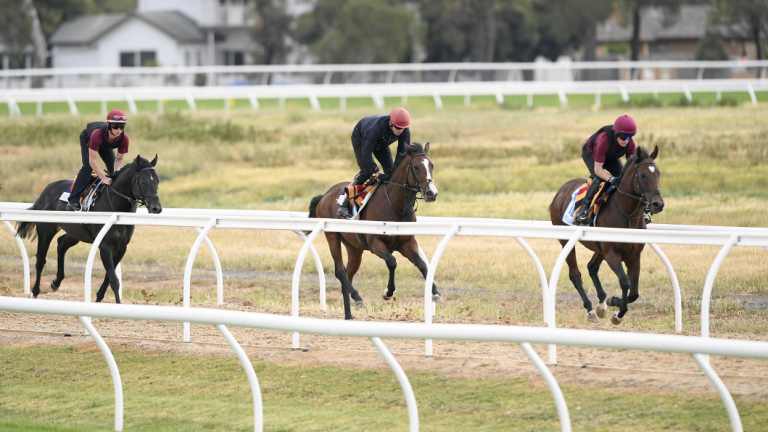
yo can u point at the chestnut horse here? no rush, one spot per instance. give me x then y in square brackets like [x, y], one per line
[637, 191]
[392, 201]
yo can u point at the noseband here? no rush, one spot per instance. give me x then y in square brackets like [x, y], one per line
[142, 199]
[637, 193]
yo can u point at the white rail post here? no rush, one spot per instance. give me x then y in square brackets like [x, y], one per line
[553, 278]
[675, 287]
[117, 382]
[24, 257]
[13, 107]
[438, 101]
[314, 102]
[131, 103]
[186, 291]
[752, 95]
[722, 390]
[377, 100]
[563, 98]
[92, 255]
[39, 108]
[297, 278]
[687, 92]
[554, 387]
[429, 304]
[320, 271]
[499, 98]
[191, 102]
[72, 105]
[540, 271]
[405, 385]
[253, 380]
[219, 272]
[598, 101]
[254, 102]
[624, 93]
[709, 283]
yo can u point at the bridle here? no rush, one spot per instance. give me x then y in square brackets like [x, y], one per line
[637, 193]
[135, 191]
[409, 207]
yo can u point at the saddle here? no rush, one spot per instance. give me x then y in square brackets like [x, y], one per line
[89, 195]
[358, 195]
[577, 201]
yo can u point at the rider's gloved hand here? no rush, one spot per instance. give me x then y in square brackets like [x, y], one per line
[384, 177]
[106, 180]
[614, 181]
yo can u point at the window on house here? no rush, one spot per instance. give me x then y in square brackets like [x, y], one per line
[138, 58]
[127, 59]
[234, 58]
[148, 58]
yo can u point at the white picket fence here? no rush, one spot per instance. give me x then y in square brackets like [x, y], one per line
[376, 92]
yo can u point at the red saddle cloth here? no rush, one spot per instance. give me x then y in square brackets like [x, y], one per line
[357, 193]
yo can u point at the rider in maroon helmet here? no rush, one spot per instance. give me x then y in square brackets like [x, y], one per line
[602, 153]
[371, 137]
[97, 143]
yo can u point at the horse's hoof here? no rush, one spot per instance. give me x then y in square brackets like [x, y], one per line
[55, 286]
[592, 317]
[436, 297]
[359, 303]
[615, 320]
[34, 294]
[601, 309]
[387, 297]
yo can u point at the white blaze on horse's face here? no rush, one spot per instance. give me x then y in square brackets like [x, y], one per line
[432, 187]
[652, 168]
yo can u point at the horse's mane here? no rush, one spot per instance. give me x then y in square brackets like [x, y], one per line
[413, 149]
[640, 155]
[139, 162]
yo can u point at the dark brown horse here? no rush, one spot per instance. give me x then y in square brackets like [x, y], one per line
[638, 189]
[392, 201]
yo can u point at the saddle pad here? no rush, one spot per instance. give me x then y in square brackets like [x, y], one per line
[64, 197]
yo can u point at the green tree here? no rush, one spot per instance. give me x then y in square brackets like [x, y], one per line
[272, 29]
[358, 31]
[478, 30]
[748, 16]
[569, 25]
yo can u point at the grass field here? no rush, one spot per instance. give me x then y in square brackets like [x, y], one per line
[489, 162]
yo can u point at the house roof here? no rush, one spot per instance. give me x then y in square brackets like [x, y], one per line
[85, 30]
[691, 22]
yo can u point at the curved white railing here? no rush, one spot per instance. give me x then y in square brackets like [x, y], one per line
[377, 330]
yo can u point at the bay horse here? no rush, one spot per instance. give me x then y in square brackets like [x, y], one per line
[392, 201]
[135, 183]
[638, 189]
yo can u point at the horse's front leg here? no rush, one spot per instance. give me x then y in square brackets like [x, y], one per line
[594, 270]
[381, 250]
[108, 260]
[614, 260]
[633, 269]
[410, 250]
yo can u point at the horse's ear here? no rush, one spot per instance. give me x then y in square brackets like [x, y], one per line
[426, 148]
[154, 161]
[655, 152]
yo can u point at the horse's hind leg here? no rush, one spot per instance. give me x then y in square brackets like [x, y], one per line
[63, 244]
[354, 258]
[334, 245]
[575, 276]
[382, 251]
[614, 261]
[45, 233]
[410, 250]
[594, 270]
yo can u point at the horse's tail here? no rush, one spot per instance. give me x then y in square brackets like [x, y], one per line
[313, 206]
[25, 229]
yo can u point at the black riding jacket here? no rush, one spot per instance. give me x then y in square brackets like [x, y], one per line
[372, 136]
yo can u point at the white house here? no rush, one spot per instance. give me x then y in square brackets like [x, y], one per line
[164, 38]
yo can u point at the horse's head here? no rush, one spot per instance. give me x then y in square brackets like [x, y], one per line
[641, 177]
[144, 183]
[419, 171]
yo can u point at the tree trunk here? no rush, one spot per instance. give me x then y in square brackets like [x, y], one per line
[490, 42]
[38, 39]
[635, 47]
[756, 37]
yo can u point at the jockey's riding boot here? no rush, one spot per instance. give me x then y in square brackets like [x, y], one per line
[343, 209]
[583, 217]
